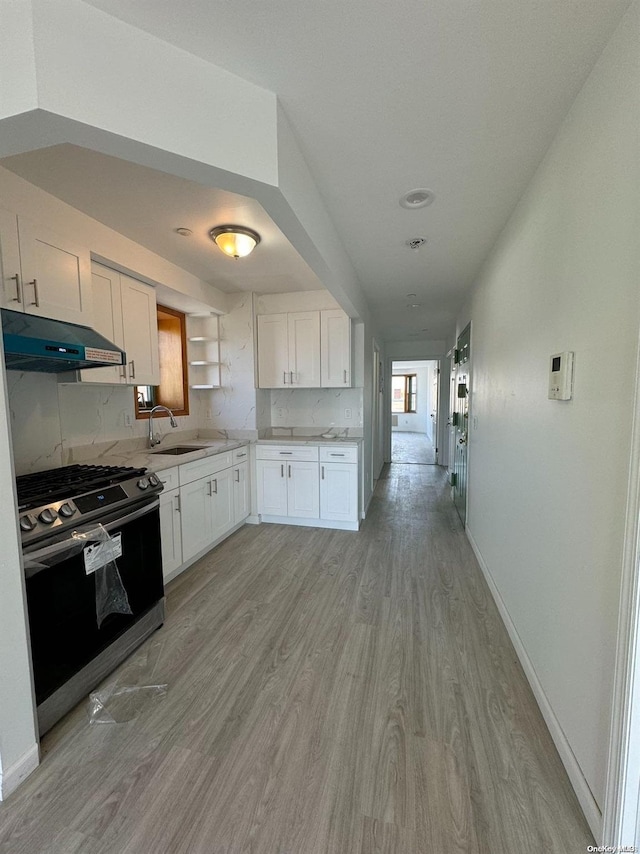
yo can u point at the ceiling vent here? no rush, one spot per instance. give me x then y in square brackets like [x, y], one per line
[416, 242]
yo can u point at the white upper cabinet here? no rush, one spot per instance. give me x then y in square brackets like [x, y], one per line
[140, 328]
[306, 349]
[126, 315]
[107, 306]
[44, 273]
[335, 349]
[11, 293]
[273, 351]
[303, 330]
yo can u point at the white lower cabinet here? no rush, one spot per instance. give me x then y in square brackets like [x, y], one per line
[170, 531]
[202, 501]
[308, 485]
[197, 521]
[241, 493]
[339, 491]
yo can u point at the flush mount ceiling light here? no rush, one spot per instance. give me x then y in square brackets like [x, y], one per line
[415, 199]
[184, 232]
[235, 240]
[415, 242]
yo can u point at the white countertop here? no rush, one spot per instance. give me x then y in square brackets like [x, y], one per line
[155, 460]
[310, 440]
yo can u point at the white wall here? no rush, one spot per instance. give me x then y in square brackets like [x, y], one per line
[18, 744]
[547, 479]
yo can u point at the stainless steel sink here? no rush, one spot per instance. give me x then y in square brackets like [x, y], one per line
[176, 452]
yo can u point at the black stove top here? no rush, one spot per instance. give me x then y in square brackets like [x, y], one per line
[44, 487]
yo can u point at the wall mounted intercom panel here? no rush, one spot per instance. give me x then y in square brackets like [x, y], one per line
[561, 376]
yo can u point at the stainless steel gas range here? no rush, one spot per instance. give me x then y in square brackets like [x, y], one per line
[93, 568]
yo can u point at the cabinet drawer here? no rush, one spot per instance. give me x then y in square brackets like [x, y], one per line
[338, 454]
[241, 454]
[203, 468]
[169, 478]
[305, 453]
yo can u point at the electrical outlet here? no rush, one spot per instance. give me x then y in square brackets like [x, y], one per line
[128, 420]
[280, 412]
[347, 413]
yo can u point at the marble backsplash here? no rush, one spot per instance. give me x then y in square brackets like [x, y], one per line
[319, 408]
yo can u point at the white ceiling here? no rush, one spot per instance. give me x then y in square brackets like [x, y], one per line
[460, 96]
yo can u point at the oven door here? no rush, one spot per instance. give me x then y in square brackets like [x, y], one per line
[61, 597]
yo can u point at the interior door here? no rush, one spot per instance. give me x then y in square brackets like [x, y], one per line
[435, 402]
[461, 421]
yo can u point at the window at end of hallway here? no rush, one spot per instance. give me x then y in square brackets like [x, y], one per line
[404, 393]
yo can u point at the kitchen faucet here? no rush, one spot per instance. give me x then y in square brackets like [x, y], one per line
[152, 439]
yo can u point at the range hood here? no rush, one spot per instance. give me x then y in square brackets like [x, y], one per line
[51, 346]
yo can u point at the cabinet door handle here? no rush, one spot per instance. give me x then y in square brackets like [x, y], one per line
[345, 376]
[284, 453]
[215, 488]
[210, 491]
[16, 279]
[237, 475]
[282, 470]
[291, 375]
[284, 375]
[289, 471]
[322, 467]
[132, 368]
[123, 372]
[241, 455]
[178, 508]
[36, 301]
[336, 455]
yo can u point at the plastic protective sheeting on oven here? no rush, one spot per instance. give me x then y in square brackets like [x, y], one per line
[100, 553]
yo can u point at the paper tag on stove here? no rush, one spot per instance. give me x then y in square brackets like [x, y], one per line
[95, 354]
[100, 554]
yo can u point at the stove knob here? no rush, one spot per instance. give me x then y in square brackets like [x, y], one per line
[66, 510]
[143, 483]
[48, 516]
[153, 480]
[27, 523]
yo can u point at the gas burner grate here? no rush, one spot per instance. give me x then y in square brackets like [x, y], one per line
[43, 487]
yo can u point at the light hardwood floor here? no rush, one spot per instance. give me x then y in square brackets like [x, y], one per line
[329, 693]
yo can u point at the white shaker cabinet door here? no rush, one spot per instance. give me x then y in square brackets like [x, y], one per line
[140, 332]
[196, 517]
[304, 349]
[170, 531]
[303, 498]
[271, 487]
[339, 492]
[241, 492]
[221, 503]
[335, 348]
[11, 291]
[56, 275]
[107, 306]
[273, 354]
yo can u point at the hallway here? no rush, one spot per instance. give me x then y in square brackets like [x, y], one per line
[329, 693]
[412, 448]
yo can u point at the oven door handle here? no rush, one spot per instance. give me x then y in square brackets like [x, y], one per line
[32, 560]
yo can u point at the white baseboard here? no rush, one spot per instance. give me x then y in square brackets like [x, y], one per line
[19, 771]
[253, 519]
[311, 523]
[580, 786]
